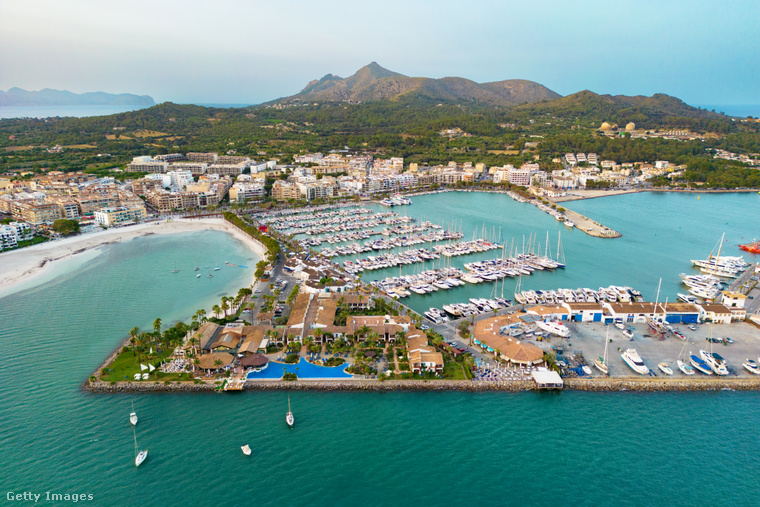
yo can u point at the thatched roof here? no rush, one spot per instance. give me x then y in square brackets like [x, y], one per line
[207, 362]
[256, 360]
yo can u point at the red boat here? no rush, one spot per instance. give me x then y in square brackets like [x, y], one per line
[753, 247]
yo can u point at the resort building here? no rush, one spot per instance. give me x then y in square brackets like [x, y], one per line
[422, 356]
[490, 335]
[215, 361]
[257, 338]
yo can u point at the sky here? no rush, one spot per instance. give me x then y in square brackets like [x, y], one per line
[251, 51]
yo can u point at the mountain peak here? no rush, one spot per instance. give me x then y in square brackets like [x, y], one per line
[374, 82]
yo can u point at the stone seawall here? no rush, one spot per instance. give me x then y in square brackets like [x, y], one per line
[663, 384]
[611, 384]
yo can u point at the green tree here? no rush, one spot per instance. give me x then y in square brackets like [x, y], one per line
[66, 227]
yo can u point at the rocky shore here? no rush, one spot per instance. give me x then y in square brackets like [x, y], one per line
[611, 384]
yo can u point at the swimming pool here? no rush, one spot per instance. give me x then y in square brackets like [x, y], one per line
[303, 369]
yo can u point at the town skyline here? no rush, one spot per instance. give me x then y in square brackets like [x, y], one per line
[264, 52]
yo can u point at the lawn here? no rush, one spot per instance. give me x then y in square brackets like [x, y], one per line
[453, 370]
[126, 365]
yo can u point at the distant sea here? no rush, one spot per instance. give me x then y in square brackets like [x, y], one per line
[742, 110]
[82, 111]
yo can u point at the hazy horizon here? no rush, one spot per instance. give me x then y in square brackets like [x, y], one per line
[237, 51]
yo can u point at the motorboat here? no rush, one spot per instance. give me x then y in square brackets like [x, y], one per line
[133, 415]
[632, 359]
[665, 368]
[751, 366]
[628, 333]
[685, 368]
[699, 364]
[716, 362]
[554, 328]
[246, 450]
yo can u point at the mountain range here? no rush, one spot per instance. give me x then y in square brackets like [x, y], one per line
[47, 97]
[373, 82]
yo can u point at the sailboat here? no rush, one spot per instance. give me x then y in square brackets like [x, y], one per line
[141, 455]
[175, 268]
[246, 449]
[289, 417]
[687, 369]
[133, 415]
[601, 362]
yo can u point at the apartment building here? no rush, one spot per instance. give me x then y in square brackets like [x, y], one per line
[117, 215]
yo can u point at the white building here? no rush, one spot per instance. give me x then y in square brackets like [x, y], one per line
[178, 180]
[119, 214]
[245, 192]
[14, 232]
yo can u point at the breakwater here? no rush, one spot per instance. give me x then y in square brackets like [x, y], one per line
[594, 384]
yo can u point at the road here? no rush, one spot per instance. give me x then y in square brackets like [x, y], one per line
[749, 287]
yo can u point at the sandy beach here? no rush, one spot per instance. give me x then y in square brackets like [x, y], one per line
[26, 264]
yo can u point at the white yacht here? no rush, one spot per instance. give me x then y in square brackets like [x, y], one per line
[133, 415]
[751, 366]
[554, 328]
[632, 359]
[246, 450]
[716, 362]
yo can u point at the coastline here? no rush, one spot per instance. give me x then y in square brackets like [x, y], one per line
[633, 384]
[27, 264]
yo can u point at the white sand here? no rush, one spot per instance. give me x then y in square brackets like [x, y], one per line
[26, 264]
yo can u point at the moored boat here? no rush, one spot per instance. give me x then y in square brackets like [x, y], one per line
[663, 366]
[753, 247]
[133, 415]
[289, 416]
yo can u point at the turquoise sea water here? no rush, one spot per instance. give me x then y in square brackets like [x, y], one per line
[437, 448]
[661, 233]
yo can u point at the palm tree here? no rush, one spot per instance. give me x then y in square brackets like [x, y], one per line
[363, 331]
[157, 326]
[201, 314]
[225, 306]
[216, 310]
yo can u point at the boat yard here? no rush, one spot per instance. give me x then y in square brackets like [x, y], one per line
[587, 340]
